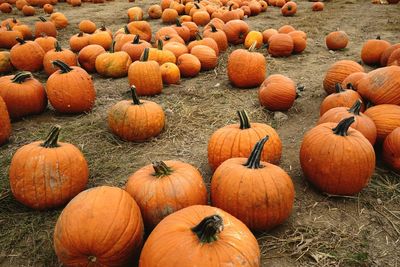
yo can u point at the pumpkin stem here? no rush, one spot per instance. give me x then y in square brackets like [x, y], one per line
[20, 77]
[8, 27]
[136, 39]
[178, 23]
[253, 46]
[378, 37]
[343, 126]
[103, 28]
[112, 47]
[208, 228]
[350, 87]
[21, 41]
[62, 66]
[355, 109]
[289, 7]
[135, 98]
[339, 88]
[52, 137]
[253, 162]
[198, 37]
[80, 34]
[92, 259]
[213, 28]
[145, 55]
[42, 19]
[167, 38]
[161, 169]
[126, 30]
[196, 5]
[57, 47]
[230, 7]
[160, 45]
[244, 120]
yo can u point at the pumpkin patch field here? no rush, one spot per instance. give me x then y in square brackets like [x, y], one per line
[199, 133]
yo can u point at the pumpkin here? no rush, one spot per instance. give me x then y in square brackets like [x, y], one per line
[299, 41]
[160, 55]
[386, 54]
[5, 62]
[59, 19]
[70, 89]
[280, 45]
[23, 95]
[87, 57]
[169, 16]
[113, 64]
[362, 122]
[28, 10]
[47, 43]
[8, 38]
[65, 55]
[5, 130]
[342, 98]
[339, 71]
[135, 13]
[204, 41]
[5, 8]
[87, 26]
[253, 36]
[19, 4]
[176, 48]
[317, 6]
[102, 38]
[185, 18]
[206, 55]
[189, 65]
[141, 28]
[24, 30]
[170, 73]
[201, 17]
[337, 159]
[27, 55]
[102, 226]
[193, 28]
[236, 31]
[104, 29]
[182, 31]
[78, 41]
[55, 180]
[230, 14]
[11, 21]
[246, 68]
[145, 75]
[255, 8]
[277, 93]
[386, 118]
[286, 29]
[224, 143]
[75, 3]
[381, 86]
[394, 58]
[48, 8]
[391, 150]
[271, 189]
[267, 34]
[336, 40]
[219, 37]
[353, 80]
[289, 9]
[45, 27]
[160, 179]
[154, 11]
[136, 120]
[197, 231]
[372, 50]
[135, 48]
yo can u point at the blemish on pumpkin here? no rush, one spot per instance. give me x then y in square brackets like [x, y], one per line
[167, 210]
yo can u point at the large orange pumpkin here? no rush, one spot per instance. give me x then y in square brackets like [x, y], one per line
[386, 118]
[277, 92]
[101, 226]
[265, 191]
[236, 31]
[338, 72]
[27, 55]
[46, 43]
[237, 140]
[246, 68]
[47, 174]
[135, 48]
[5, 123]
[391, 150]
[372, 50]
[206, 235]
[136, 120]
[337, 159]
[160, 180]
[45, 27]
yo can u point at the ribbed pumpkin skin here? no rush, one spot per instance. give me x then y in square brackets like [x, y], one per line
[345, 98]
[381, 86]
[336, 40]
[87, 57]
[363, 123]
[338, 72]
[114, 65]
[27, 56]
[372, 50]
[386, 118]
[236, 245]
[340, 165]
[188, 65]
[136, 122]
[158, 197]
[43, 178]
[71, 92]
[246, 69]
[386, 54]
[65, 55]
[232, 142]
[206, 55]
[394, 59]
[354, 79]
[23, 99]
[280, 45]
[277, 92]
[5, 62]
[5, 123]
[146, 76]
[236, 31]
[391, 150]
[102, 222]
[266, 195]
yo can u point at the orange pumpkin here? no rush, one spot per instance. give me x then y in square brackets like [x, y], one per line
[170, 73]
[236, 31]
[299, 41]
[28, 10]
[372, 50]
[277, 92]
[218, 35]
[87, 26]
[160, 55]
[317, 6]
[182, 31]
[253, 36]
[78, 41]
[24, 30]
[286, 29]
[141, 28]
[5, 8]
[135, 48]
[386, 54]
[336, 40]
[176, 48]
[394, 58]
[135, 14]
[135, 120]
[154, 12]
[65, 55]
[289, 9]
[353, 80]
[8, 38]
[113, 64]
[5, 62]
[59, 19]
[107, 222]
[267, 34]
[193, 28]
[102, 38]
[45, 27]
[391, 150]
[87, 57]
[27, 55]
[339, 71]
[56, 180]
[189, 65]
[5, 130]
[280, 45]
[204, 41]
[169, 16]
[386, 118]
[206, 55]
[47, 8]
[47, 43]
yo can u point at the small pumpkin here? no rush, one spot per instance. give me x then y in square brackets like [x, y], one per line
[373, 49]
[353, 80]
[391, 150]
[78, 41]
[27, 55]
[394, 58]
[65, 55]
[317, 6]
[48, 8]
[45, 27]
[141, 28]
[170, 73]
[299, 41]
[280, 45]
[161, 178]
[136, 121]
[339, 71]
[236, 31]
[253, 36]
[113, 64]
[189, 65]
[345, 165]
[5, 130]
[24, 30]
[176, 48]
[336, 40]
[224, 143]
[5, 62]
[386, 118]
[219, 37]
[154, 12]
[106, 221]
[70, 89]
[135, 48]
[169, 16]
[56, 180]
[267, 34]
[28, 10]
[87, 57]
[160, 55]
[207, 56]
[87, 26]
[102, 38]
[286, 29]
[46, 42]
[8, 38]
[193, 28]
[386, 54]
[277, 93]
[135, 13]
[289, 9]
[59, 19]
[5, 8]
[204, 41]
[182, 30]
[201, 17]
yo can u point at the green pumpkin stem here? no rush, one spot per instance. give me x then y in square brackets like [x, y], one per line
[20, 77]
[145, 55]
[160, 45]
[57, 47]
[21, 41]
[253, 162]
[42, 19]
[339, 88]
[198, 37]
[62, 66]
[161, 169]
[135, 97]
[52, 138]
[136, 39]
[244, 120]
[355, 109]
[208, 229]
[343, 126]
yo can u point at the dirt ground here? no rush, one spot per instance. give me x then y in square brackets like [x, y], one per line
[323, 231]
